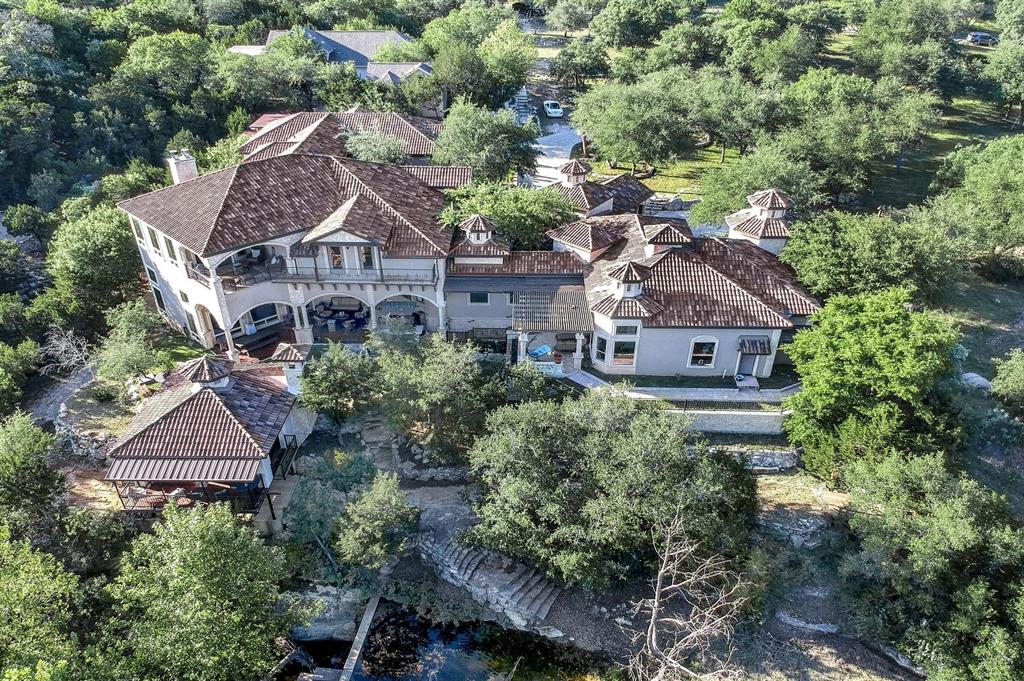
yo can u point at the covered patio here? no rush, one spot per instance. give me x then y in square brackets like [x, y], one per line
[552, 328]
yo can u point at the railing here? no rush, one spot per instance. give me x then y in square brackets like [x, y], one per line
[284, 464]
[252, 275]
[198, 272]
[295, 273]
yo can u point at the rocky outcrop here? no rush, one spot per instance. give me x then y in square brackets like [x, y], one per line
[80, 446]
[338, 613]
[393, 452]
[976, 382]
[522, 593]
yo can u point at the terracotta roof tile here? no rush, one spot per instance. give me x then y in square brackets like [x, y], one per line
[575, 167]
[639, 307]
[442, 177]
[205, 369]
[762, 227]
[772, 199]
[630, 272]
[627, 192]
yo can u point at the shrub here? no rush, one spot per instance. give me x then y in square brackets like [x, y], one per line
[1008, 384]
[377, 525]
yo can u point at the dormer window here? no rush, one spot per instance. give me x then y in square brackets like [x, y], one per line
[632, 289]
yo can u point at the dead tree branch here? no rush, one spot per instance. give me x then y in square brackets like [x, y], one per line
[692, 615]
[65, 351]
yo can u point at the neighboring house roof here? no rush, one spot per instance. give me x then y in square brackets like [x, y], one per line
[210, 434]
[248, 50]
[625, 191]
[523, 263]
[274, 197]
[263, 120]
[710, 283]
[442, 177]
[575, 167]
[359, 47]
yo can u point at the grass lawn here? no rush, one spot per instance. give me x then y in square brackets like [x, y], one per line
[178, 347]
[967, 121]
[988, 315]
[681, 176]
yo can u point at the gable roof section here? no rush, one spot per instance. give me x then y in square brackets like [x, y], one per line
[584, 196]
[358, 216]
[627, 192]
[762, 227]
[441, 177]
[273, 197]
[639, 307]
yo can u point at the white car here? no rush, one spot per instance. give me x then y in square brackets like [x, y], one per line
[553, 109]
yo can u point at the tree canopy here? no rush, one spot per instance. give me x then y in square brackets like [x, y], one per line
[575, 486]
[493, 144]
[521, 215]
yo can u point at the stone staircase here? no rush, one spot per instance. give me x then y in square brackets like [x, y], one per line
[522, 593]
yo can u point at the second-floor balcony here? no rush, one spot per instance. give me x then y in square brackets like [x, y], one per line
[405, 275]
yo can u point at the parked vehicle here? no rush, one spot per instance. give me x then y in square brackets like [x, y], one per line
[553, 109]
[981, 38]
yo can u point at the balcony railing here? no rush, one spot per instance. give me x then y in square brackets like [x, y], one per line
[294, 273]
[198, 272]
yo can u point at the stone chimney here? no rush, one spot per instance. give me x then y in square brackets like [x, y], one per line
[183, 166]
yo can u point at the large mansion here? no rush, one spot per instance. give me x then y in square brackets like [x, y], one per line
[301, 243]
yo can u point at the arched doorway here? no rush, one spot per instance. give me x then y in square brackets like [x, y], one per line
[415, 311]
[258, 330]
[339, 317]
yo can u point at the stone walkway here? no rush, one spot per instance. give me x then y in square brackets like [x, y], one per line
[45, 406]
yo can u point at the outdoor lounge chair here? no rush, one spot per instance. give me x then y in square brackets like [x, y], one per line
[539, 351]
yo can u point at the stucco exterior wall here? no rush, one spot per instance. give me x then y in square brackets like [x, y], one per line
[464, 316]
[666, 352]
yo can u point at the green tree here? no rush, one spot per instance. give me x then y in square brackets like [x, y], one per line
[436, 390]
[26, 219]
[339, 382]
[726, 188]
[579, 61]
[492, 144]
[39, 601]
[868, 359]
[1008, 384]
[29, 486]
[13, 268]
[127, 351]
[576, 486]
[836, 252]
[376, 147]
[980, 205]
[521, 215]
[16, 363]
[227, 578]
[1006, 69]
[138, 178]
[938, 569]
[377, 525]
[1010, 17]
[638, 22]
[508, 54]
[95, 257]
[640, 123]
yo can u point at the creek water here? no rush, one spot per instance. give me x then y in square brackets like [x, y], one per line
[402, 646]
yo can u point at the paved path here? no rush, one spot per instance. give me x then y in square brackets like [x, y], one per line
[45, 406]
[357, 644]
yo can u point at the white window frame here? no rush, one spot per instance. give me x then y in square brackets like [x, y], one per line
[183, 296]
[617, 363]
[152, 276]
[603, 356]
[158, 298]
[154, 240]
[714, 355]
[169, 245]
[629, 334]
[192, 324]
[137, 228]
[469, 297]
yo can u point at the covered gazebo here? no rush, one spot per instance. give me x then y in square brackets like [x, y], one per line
[551, 324]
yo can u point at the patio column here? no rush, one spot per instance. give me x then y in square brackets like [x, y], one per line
[373, 316]
[577, 357]
[524, 341]
[232, 352]
[442, 321]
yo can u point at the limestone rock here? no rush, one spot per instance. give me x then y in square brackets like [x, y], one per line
[338, 616]
[976, 382]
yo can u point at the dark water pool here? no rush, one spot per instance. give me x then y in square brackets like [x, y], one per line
[404, 647]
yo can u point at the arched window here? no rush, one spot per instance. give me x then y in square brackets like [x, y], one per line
[703, 350]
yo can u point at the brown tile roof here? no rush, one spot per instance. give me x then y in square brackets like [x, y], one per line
[524, 263]
[639, 307]
[575, 167]
[584, 196]
[291, 352]
[630, 272]
[772, 199]
[711, 283]
[477, 223]
[627, 192]
[599, 231]
[491, 248]
[261, 200]
[755, 345]
[213, 434]
[417, 134]
[762, 227]
[205, 369]
[667, 232]
[442, 177]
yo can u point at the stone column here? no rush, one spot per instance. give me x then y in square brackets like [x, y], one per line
[442, 320]
[524, 342]
[577, 357]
